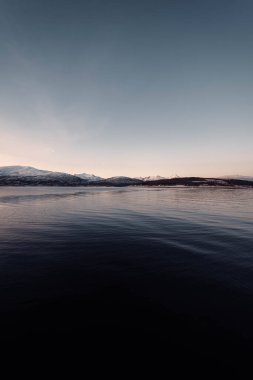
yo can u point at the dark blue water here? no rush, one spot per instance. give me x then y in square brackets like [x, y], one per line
[169, 268]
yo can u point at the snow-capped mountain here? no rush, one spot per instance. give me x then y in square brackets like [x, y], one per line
[27, 175]
[89, 177]
[151, 178]
[27, 171]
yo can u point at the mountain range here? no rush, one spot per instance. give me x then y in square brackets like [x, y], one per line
[29, 176]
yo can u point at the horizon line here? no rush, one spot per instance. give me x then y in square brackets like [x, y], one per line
[135, 177]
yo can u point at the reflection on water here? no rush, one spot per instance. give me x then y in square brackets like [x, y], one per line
[138, 256]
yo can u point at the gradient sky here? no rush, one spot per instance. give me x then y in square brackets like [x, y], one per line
[127, 87]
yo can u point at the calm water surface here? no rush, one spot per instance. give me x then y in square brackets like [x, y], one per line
[175, 262]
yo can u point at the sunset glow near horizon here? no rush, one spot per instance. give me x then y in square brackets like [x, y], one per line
[132, 88]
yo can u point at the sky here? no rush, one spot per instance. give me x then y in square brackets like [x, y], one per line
[131, 88]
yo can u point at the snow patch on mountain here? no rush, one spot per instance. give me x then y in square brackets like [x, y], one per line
[151, 178]
[89, 177]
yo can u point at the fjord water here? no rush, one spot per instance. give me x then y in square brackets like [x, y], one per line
[132, 264]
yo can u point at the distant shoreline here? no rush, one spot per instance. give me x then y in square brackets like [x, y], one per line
[244, 186]
[29, 176]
